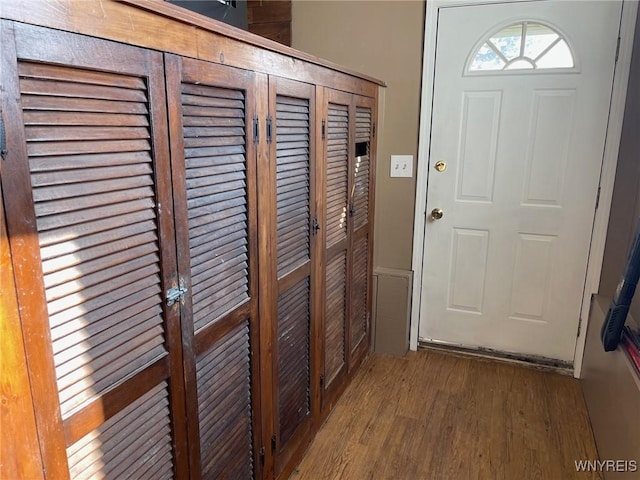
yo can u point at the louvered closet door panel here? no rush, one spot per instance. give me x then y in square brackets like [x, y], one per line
[224, 404]
[135, 443]
[337, 165]
[359, 292]
[291, 112]
[293, 358]
[96, 225]
[216, 181]
[335, 317]
[98, 165]
[214, 188]
[293, 177]
[361, 167]
[361, 173]
[336, 204]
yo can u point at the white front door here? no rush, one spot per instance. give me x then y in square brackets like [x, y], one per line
[521, 101]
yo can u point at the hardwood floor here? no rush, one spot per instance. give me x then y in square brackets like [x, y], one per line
[438, 416]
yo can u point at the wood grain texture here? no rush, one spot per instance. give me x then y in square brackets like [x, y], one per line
[211, 110]
[292, 127]
[135, 443]
[165, 27]
[270, 19]
[91, 348]
[434, 415]
[224, 405]
[19, 452]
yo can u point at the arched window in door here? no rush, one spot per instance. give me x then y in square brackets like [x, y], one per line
[525, 45]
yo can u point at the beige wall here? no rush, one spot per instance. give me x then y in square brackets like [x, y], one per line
[382, 39]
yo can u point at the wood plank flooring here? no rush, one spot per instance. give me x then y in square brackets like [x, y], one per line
[438, 416]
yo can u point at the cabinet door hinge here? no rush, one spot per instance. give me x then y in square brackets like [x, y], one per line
[598, 197]
[176, 293]
[3, 140]
[618, 49]
[269, 133]
[321, 382]
[256, 129]
[262, 456]
[315, 226]
[273, 442]
[324, 126]
[373, 132]
[352, 210]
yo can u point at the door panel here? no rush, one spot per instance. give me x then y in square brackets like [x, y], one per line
[505, 266]
[360, 212]
[337, 182]
[211, 111]
[98, 233]
[224, 406]
[294, 376]
[292, 108]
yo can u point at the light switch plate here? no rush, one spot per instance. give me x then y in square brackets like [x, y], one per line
[401, 166]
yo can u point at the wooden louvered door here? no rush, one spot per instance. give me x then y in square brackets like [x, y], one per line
[336, 263]
[88, 197]
[360, 215]
[292, 124]
[211, 112]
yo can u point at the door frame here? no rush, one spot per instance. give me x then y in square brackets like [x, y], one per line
[607, 174]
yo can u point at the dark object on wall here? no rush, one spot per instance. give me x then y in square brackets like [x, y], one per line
[270, 19]
[233, 12]
[617, 314]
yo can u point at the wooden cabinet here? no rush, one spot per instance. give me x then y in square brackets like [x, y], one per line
[190, 244]
[347, 179]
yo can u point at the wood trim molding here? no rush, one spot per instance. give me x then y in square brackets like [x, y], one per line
[195, 19]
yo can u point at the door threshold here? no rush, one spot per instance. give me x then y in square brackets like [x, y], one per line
[530, 361]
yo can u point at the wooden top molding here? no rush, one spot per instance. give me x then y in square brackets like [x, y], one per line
[162, 26]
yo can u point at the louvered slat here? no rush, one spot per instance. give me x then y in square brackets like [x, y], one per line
[89, 149]
[224, 405]
[361, 173]
[214, 141]
[292, 188]
[337, 166]
[359, 292]
[335, 317]
[293, 358]
[134, 443]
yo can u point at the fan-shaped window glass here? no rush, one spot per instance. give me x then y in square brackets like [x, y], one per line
[522, 46]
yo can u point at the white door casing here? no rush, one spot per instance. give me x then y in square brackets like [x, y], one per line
[505, 266]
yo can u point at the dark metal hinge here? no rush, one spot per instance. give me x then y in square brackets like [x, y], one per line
[262, 456]
[598, 198]
[374, 130]
[269, 133]
[321, 382]
[176, 293]
[316, 226]
[273, 442]
[256, 129]
[3, 140]
[618, 49]
[324, 126]
[352, 210]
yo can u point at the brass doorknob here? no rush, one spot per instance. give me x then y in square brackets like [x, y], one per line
[440, 166]
[437, 213]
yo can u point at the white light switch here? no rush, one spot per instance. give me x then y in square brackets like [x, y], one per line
[401, 166]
